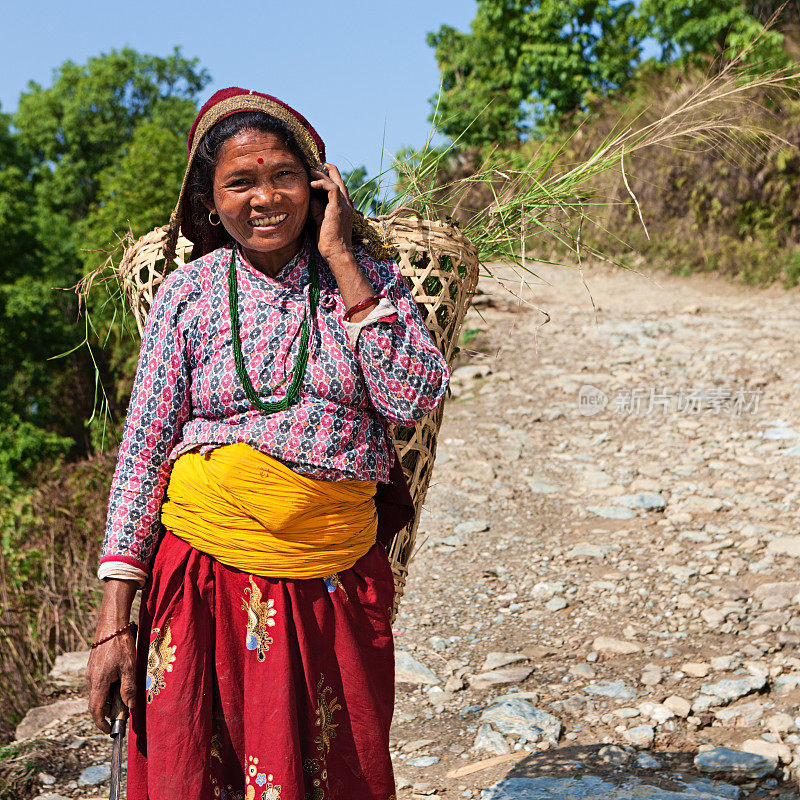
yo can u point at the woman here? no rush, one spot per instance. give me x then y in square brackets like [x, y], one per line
[256, 478]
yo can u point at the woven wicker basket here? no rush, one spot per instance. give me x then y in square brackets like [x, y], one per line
[441, 267]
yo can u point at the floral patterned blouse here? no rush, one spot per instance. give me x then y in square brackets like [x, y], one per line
[187, 396]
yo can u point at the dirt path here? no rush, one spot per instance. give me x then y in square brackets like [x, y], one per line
[699, 379]
[602, 564]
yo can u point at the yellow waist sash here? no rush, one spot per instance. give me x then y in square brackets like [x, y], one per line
[251, 512]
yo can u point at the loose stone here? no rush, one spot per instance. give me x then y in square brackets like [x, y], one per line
[495, 660]
[742, 716]
[646, 761]
[730, 689]
[649, 501]
[69, 670]
[500, 677]
[618, 690]
[556, 604]
[640, 736]
[471, 526]
[734, 762]
[776, 752]
[680, 706]
[423, 761]
[651, 678]
[95, 776]
[785, 545]
[658, 712]
[490, 740]
[703, 702]
[521, 718]
[408, 670]
[780, 723]
[696, 669]
[605, 644]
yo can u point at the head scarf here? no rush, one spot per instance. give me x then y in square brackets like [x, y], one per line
[223, 104]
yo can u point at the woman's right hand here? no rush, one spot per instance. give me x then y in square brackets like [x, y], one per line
[114, 660]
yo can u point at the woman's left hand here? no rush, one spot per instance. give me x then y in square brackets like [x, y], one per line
[333, 217]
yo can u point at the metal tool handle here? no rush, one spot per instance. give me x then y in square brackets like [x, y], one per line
[119, 711]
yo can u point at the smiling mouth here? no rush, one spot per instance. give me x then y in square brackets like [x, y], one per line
[267, 222]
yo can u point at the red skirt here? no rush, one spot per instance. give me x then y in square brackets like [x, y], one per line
[252, 688]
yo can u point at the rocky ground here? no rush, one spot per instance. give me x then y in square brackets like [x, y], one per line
[605, 602]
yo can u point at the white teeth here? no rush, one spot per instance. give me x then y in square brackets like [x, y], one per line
[267, 221]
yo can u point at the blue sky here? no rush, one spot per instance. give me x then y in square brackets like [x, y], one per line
[354, 68]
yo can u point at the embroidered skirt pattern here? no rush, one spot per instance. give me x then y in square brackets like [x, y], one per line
[256, 688]
[159, 660]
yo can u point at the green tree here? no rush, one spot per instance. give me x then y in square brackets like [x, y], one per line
[696, 30]
[129, 199]
[28, 314]
[17, 223]
[529, 62]
[83, 123]
[31, 428]
[97, 151]
[137, 192]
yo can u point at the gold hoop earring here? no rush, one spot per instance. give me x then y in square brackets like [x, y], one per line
[211, 220]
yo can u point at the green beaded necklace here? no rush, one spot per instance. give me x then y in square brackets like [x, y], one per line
[299, 370]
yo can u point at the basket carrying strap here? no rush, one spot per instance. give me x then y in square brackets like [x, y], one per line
[394, 504]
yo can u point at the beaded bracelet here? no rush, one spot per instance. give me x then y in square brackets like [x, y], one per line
[370, 301]
[111, 635]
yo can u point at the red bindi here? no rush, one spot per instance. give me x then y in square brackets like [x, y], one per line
[260, 160]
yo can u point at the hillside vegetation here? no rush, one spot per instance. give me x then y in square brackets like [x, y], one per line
[733, 210]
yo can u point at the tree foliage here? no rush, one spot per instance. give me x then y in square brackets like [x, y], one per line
[525, 62]
[135, 190]
[98, 151]
[700, 30]
[17, 225]
[83, 124]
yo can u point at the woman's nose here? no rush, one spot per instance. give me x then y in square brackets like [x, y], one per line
[266, 194]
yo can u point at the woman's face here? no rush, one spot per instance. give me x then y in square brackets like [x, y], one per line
[261, 194]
